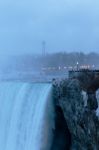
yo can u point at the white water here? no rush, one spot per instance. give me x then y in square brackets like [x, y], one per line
[25, 118]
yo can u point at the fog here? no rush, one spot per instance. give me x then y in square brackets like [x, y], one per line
[34, 67]
[19, 66]
[66, 26]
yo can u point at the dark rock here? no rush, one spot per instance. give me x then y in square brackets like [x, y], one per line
[82, 122]
[62, 136]
[92, 101]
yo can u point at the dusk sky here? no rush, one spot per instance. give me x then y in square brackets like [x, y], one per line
[65, 25]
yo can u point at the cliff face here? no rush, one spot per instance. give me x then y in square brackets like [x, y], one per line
[79, 109]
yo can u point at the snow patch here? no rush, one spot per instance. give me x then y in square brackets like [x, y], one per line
[97, 112]
[97, 96]
[85, 98]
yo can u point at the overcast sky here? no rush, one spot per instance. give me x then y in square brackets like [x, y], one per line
[65, 25]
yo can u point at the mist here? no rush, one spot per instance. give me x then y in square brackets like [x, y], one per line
[68, 27]
[19, 66]
[36, 67]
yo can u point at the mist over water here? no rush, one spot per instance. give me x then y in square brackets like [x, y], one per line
[19, 67]
[46, 67]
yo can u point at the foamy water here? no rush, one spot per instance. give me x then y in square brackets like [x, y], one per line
[26, 118]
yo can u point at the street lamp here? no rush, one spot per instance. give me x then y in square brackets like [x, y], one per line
[77, 65]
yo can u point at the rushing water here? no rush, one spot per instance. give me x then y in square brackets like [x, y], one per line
[26, 120]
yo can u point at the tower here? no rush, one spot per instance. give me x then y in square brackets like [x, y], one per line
[43, 48]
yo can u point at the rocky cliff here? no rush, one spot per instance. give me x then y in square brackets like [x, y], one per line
[80, 110]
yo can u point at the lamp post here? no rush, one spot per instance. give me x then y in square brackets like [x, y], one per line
[77, 65]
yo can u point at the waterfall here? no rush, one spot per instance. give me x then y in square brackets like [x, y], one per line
[26, 116]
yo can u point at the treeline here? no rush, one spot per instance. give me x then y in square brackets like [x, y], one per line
[70, 59]
[28, 63]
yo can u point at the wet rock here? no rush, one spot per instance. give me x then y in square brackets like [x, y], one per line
[79, 113]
